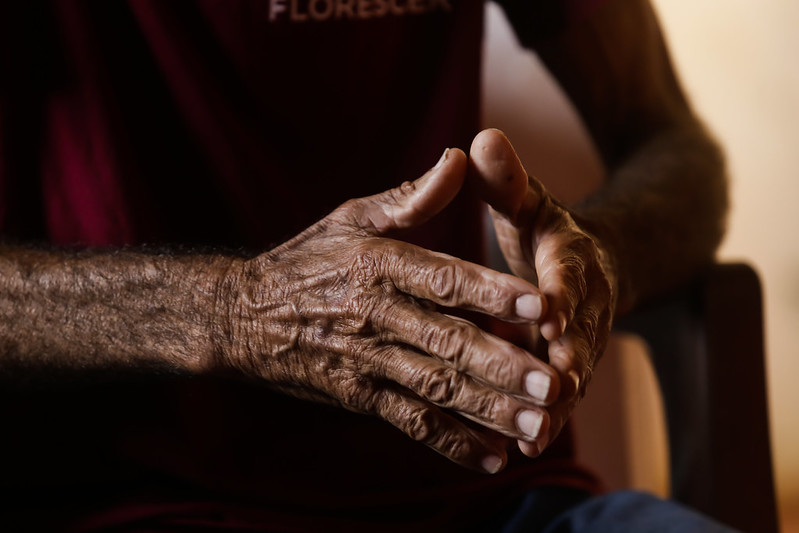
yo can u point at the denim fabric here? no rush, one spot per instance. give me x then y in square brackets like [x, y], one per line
[565, 510]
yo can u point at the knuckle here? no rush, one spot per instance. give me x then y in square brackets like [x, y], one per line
[503, 371]
[456, 445]
[351, 205]
[492, 298]
[583, 244]
[449, 342]
[573, 270]
[367, 266]
[422, 424]
[355, 391]
[493, 408]
[586, 325]
[348, 212]
[443, 281]
[440, 386]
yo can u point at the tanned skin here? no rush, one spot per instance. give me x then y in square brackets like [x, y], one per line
[656, 222]
[342, 313]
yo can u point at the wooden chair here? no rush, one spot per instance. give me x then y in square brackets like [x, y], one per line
[707, 349]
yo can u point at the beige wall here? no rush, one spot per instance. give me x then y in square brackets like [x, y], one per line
[737, 60]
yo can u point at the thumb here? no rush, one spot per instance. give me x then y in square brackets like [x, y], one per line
[414, 202]
[499, 176]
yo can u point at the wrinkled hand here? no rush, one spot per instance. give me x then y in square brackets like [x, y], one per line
[544, 244]
[344, 314]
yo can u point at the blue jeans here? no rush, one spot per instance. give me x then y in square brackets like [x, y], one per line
[564, 510]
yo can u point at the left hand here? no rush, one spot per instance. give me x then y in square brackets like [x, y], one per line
[544, 243]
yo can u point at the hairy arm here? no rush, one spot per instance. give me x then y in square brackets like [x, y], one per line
[340, 314]
[661, 214]
[71, 312]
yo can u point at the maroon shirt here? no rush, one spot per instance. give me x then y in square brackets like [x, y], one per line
[234, 124]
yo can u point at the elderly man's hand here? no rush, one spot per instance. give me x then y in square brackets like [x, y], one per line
[543, 242]
[343, 314]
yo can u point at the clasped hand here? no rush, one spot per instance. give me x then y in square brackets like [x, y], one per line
[344, 314]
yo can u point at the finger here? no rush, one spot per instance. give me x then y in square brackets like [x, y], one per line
[559, 413]
[413, 202]
[465, 348]
[500, 178]
[445, 387]
[455, 283]
[561, 259]
[515, 199]
[442, 432]
[516, 244]
[585, 338]
[574, 356]
[558, 416]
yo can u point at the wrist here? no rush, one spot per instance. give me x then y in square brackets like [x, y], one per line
[224, 319]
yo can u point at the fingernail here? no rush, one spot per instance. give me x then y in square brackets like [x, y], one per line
[529, 306]
[492, 464]
[443, 158]
[563, 322]
[529, 423]
[575, 378]
[537, 384]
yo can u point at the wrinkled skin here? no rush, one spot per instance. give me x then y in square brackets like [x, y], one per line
[346, 315]
[543, 243]
[343, 314]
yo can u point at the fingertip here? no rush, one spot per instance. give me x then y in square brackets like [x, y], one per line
[550, 330]
[497, 173]
[530, 307]
[420, 200]
[451, 156]
[573, 377]
[555, 326]
[544, 387]
[447, 175]
[488, 139]
[458, 154]
[442, 159]
[568, 368]
[530, 449]
[491, 464]
[530, 422]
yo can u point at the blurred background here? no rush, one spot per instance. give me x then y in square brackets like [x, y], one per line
[737, 62]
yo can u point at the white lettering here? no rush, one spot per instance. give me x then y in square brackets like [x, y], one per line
[320, 9]
[345, 7]
[275, 7]
[296, 16]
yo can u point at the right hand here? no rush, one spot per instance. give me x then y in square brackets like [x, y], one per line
[343, 314]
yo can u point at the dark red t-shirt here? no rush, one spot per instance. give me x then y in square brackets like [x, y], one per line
[234, 124]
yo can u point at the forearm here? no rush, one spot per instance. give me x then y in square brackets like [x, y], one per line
[108, 311]
[661, 215]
